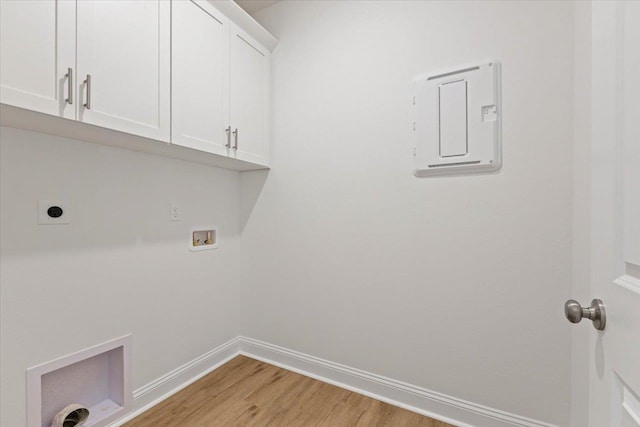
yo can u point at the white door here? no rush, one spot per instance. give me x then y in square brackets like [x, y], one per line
[200, 77]
[249, 75]
[614, 399]
[37, 48]
[124, 65]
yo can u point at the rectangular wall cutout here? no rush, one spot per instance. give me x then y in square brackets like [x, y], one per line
[203, 238]
[98, 378]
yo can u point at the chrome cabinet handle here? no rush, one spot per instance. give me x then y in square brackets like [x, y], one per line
[69, 77]
[87, 82]
[235, 135]
[228, 131]
[595, 312]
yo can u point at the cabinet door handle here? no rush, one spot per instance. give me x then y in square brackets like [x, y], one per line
[69, 77]
[235, 135]
[87, 82]
[228, 131]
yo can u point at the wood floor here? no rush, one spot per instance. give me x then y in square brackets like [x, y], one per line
[246, 392]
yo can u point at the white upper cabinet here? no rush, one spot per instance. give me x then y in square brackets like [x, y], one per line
[200, 77]
[249, 79]
[177, 71]
[123, 57]
[37, 50]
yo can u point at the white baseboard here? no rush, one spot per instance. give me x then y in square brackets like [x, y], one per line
[417, 399]
[167, 385]
[413, 398]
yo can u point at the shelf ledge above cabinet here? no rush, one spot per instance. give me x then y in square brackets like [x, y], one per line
[245, 21]
[21, 118]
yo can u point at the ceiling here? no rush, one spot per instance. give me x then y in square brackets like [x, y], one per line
[252, 6]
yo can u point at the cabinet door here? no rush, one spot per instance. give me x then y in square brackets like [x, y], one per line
[37, 47]
[249, 76]
[199, 76]
[124, 46]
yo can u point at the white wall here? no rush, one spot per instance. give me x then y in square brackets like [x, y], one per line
[120, 267]
[454, 284]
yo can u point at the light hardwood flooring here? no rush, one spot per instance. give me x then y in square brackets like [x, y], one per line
[246, 392]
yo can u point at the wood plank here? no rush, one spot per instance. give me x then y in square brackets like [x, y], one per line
[247, 392]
